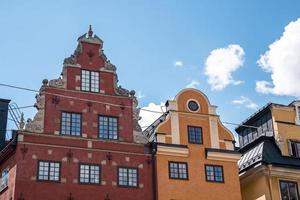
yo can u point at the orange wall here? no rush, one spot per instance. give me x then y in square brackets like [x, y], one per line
[196, 187]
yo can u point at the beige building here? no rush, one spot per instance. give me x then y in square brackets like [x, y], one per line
[270, 146]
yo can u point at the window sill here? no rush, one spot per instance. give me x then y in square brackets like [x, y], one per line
[48, 181]
[126, 186]
[90, 184]
[3, 188]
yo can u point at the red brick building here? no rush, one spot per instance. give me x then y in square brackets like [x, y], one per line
[84, 142]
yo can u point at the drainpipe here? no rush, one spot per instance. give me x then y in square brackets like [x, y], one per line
[154, 181]
[269, 166]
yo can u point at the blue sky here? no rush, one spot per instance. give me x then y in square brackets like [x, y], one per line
[144, 39]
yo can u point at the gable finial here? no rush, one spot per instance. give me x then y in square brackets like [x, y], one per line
[90, 33]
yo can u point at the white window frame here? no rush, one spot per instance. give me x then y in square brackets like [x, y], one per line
[90, 81]
[4, 179]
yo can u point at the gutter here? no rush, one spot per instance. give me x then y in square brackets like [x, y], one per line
[270, 181]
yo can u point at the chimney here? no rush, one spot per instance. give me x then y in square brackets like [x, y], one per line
[3, 121]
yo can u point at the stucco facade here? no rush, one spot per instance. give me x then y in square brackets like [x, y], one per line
[215, 148]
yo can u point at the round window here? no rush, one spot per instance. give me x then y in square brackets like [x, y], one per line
[193, 105]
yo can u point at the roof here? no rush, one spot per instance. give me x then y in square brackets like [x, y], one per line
[149, 132]
[90, 37]
[253, 116]
[4, 100]
[258, 114]
[265, 152]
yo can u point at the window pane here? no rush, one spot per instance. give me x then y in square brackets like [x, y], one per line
[195, 135]
[214, 173]
[127, 177]
[85, 80]
[70, 124]
[289, 190]
[89, 81]
[108, 127]
[178, 170]
[49, 170]
[95, 81]
[89, 174]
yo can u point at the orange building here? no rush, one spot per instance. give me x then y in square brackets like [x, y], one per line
[195, 157]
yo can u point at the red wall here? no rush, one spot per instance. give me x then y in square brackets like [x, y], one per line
[32, 189]
[88, 148]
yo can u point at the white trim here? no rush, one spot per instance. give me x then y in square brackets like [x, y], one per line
[195, 90]
[223, 156]
[214, 133]
[175, 128]
[172, 151]
[296, 104]
[161, 138]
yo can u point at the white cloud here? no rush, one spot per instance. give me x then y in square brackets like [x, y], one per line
[282, 60]
[221, 63]
[140, 95]
[193, 84]
[149, 117]
[245, 101]
[178, 63]
[264, 87]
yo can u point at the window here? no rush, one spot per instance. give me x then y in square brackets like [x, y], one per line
[70, 124]
[298, 108]
[89, 174]
[4, 179]
[245, 136]
[195, 135]
[193, 105]
[89, 81]
[264, 124]
[249, 133]
[289, 190]
[214, 173]
[295, 148]
[48, 171]
[127, 177]
[241, 140]
[259, 129]
[108, 127]
[178, 170]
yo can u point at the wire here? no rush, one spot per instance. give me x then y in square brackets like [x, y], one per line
[22, 107]
[153, 111]
[117, 105]
[234, 124]
[77, 98]
[17, 87]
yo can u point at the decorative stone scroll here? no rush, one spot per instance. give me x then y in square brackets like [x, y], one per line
[122, 91]
[70, 60]
[109, 67]
[138, 135]
[58, 83]
[37, 124]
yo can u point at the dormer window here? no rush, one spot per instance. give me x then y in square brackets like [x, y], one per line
[297, 112]
[89, 81]
[294, 148]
